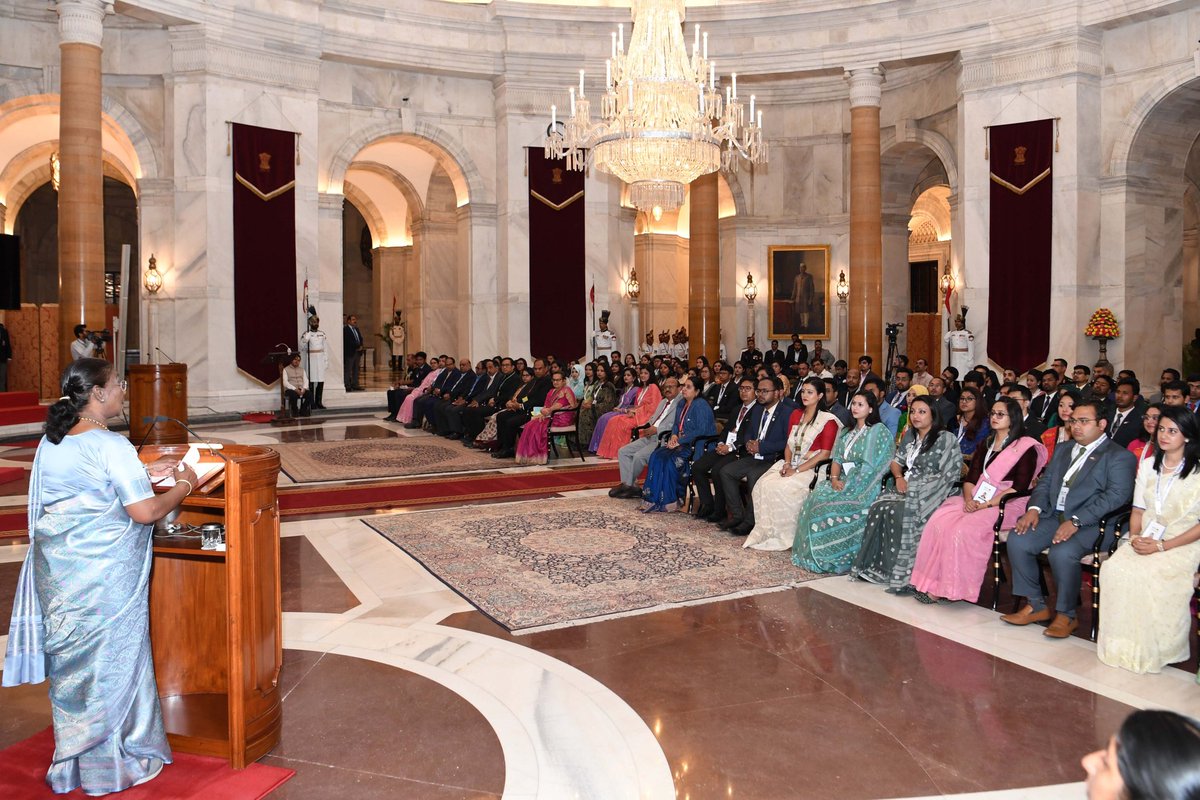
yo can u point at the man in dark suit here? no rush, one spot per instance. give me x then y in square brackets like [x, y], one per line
[775, 355]
[474, 417]
[1082, 483]
[866, 369]
[834, 406]
[797, 353]
[1031, 425]
[447, 419]
[352, 345]
[751, 357]
[510, 421]
[1044, 406]
[6, 354]
[722, 395]
[396, 395]
[1125, 419]
[937, 392]
[707, 468]
[445, 383]
[762, 441]
[467, 380]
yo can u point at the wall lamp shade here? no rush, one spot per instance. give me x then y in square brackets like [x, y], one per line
[751, 290]
[153, 279]
[947, 281]
[843, 287]
[632, 287]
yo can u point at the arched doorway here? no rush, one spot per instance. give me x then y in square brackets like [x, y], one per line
[1152, 237]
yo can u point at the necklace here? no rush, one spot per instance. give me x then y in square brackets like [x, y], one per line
[93, 421]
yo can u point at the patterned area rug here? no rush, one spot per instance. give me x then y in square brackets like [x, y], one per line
[553, 563]
[379, 458]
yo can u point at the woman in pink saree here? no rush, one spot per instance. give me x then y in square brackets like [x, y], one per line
[405, 414]
[619, 428]
[956, 545]
[535, 436]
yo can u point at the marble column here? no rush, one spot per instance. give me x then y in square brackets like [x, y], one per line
[81, 183]
[866, 220]
[704, 270]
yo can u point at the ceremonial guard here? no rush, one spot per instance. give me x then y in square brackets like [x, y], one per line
[396, 334]
[604, 341]
[315, 347]
[679, 348]
[646, 348]
[962, 346]
[664, 345]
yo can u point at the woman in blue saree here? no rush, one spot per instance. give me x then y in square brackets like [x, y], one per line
[81, 615]
[670, 464]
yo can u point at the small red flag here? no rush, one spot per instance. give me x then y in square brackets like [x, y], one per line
[592, 294]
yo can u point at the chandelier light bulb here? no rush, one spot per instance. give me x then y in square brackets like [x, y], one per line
[657, 213]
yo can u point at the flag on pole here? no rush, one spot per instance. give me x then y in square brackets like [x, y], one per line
[393, 306]
[949, 293]
[304, 300]
[592, 295]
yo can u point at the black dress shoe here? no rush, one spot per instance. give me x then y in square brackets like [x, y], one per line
[618, 490]
[743, 529]
[411, 426]
[633, 492]
[704, 512]
[730, 523]
[454, 437]
[504, 454]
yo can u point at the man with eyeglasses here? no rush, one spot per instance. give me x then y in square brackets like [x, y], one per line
[1081, 484]
[706, 470]
[633, 457]
[760, 443]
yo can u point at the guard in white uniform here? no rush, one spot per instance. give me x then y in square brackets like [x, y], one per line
[315, 348]
[604, 340]
[646, 348]
[962, 346]
[396, 334]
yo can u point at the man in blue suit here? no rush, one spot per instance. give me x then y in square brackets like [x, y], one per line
[1083, 482]
[889, 415]
[467, 383]
[765, 435]
[441, 384]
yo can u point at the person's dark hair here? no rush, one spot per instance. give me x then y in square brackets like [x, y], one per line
[1016, 423]
[696, 382]
[906, 370]
[1132, 383]
[830, 383]
[557, 372]
[1193, 377]
[936, 423]
[1190, 428]
[1008, 386]
[973, 378]
[1142, 435]
[420, 354]
[903, 359]
[1021, 390]
[76, 384]
[1158, 756]
[991, 380]
[629, 371]
[750, 379]
[1097, 406]
[1083, 368]
[981, 412]
[601, 367]
[953, 372]
[1127, 373]
[1174, 373]
[702, 359]
[79, 329]
[873, 381]
[528, 371]
[819, 385]
[775, 380]
[1177, 386]
[872, 418]
[841, 362]
[1103, 395]
[1037, 374]
[867, 359]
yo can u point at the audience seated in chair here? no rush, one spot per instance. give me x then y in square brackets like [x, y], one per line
[761, 442]
[533, 447]
[613, 429]
[669, 466]
[633, 457]
[706, 470]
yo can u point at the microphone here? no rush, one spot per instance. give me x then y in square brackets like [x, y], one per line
[160, 350]
[212, 446]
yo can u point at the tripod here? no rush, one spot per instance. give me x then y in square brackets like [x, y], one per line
[891, 359]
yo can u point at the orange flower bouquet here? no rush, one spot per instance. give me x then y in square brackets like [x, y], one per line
[1102, 327]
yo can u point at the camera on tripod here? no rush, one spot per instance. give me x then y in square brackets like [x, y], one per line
[892, 330]
[98, 338]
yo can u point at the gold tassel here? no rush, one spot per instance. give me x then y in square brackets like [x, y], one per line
[526, 162]
[228, 138]
[1056, 131]
[987, 140]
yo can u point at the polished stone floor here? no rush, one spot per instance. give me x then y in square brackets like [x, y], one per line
[394, 686]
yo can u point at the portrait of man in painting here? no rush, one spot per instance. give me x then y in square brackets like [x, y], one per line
[799, 290]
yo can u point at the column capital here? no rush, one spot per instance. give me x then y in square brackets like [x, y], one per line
[866, 85]
[82, 21]
[330, 201]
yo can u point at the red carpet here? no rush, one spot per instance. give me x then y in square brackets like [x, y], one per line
[295, 501]
[18, 408]
[261, 417]
[10, 474]
[23, 775]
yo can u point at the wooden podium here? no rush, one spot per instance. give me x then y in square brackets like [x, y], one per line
[215, 617]
[157, 390]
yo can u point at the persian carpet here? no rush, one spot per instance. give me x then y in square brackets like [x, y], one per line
[305, 462]
[23, 774]
[554, 563]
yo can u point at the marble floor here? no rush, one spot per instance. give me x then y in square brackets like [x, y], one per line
[395, 687]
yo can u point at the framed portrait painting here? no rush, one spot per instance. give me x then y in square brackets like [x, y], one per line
[798, 291]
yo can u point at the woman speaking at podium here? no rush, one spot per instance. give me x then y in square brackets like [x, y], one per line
[81, 615]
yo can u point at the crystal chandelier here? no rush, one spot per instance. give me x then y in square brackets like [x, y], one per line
[663, 119]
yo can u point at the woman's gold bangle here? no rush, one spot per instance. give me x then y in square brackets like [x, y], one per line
[189, 483]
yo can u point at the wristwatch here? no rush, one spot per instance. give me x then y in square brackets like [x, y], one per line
[1075, 521]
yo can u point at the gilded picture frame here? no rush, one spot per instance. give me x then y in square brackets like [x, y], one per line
[798, 295]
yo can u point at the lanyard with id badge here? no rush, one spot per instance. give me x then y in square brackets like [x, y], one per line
[1156, 530]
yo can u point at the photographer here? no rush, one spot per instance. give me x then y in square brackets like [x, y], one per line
[84, 345]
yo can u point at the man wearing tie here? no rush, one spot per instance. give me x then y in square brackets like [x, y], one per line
[633, 457]
[1044, 406]
[447, 416]
[1125, 420]
[352, 345]
[797, 353]
[1193, 401]
[722, 395]
[760, 444]
[708, 467]
[1081, 484]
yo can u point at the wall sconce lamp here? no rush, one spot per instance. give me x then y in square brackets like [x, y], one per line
[947, 281]
[55, 171]
[843, 287]
[751, 290]
[153, 279]
[632, 287]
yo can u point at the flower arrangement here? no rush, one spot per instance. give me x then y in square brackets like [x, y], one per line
[1103, 325]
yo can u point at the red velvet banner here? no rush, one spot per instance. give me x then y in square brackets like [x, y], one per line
[558, 320]
[264, 246]
[1020, 238]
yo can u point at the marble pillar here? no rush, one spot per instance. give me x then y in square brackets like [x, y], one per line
[866, 209]
[81, 192]
[389, 265]
[704, 267]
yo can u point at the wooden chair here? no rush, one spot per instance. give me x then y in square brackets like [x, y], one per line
[1114, 522]
[999, 542]
[569, 432]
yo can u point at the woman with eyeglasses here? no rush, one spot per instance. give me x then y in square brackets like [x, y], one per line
[972, 424]
[956, 545]
[834, 516]
[81, 615]
[1147, 584]
[1142, 445]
